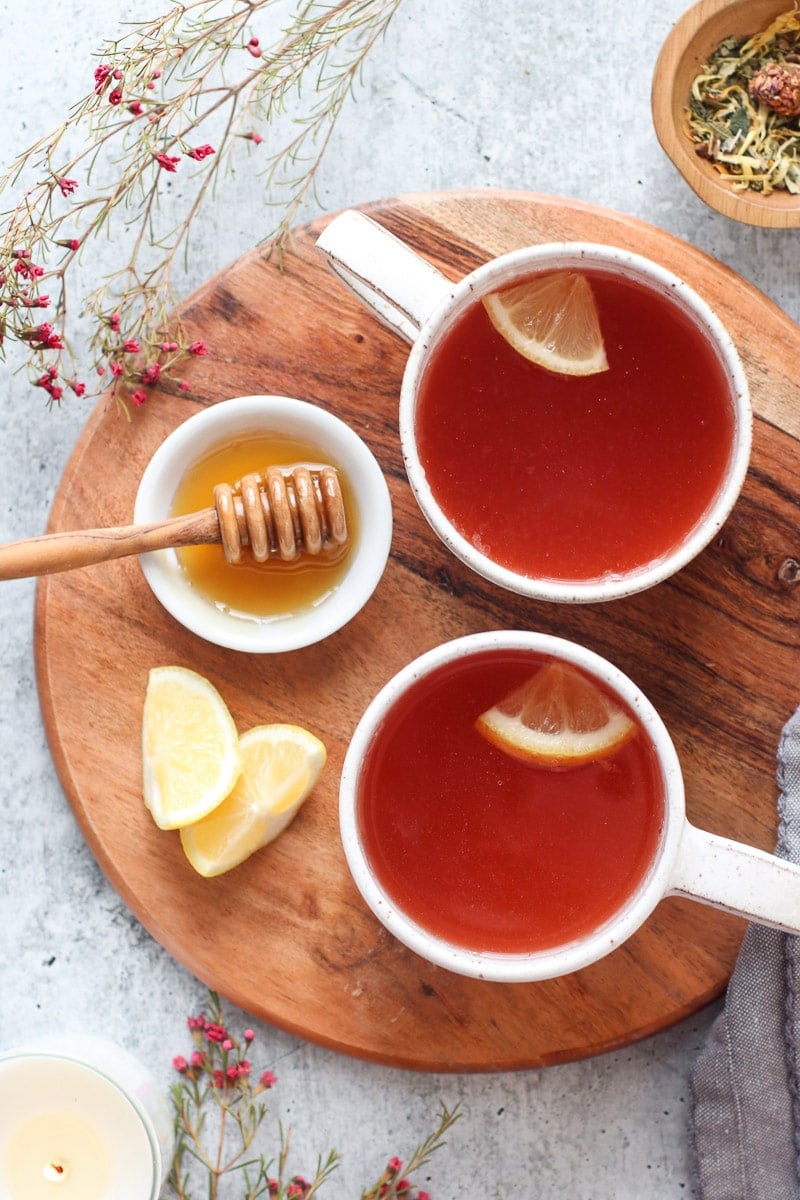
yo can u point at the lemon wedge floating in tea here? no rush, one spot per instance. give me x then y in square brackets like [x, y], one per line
[280, 765]
[190, 747]
[552, 321]
[558, 718]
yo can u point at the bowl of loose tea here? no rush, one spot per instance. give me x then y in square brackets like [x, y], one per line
[726, 107]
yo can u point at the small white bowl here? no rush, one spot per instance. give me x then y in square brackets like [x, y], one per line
[259, 416]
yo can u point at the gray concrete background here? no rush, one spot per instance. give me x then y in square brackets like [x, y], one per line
[461, 93]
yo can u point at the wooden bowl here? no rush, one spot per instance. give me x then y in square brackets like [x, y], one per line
[692, 40]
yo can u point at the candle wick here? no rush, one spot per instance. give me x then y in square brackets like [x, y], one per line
[54, 1171]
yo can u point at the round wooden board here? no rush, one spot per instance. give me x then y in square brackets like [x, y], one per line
[286, 936]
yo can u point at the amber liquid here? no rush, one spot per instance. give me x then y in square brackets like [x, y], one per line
[571, 478]
[491, 853]
[262, 590]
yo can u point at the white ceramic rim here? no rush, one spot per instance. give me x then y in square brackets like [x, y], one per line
[261, 414]
[565, 255]
[514, 968]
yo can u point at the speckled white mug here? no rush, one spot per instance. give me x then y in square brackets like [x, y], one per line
[688, 862]
[415, 300]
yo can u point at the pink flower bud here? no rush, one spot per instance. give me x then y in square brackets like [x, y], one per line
[100, 76]
[167, 161]
[201, 152]
[138, 398]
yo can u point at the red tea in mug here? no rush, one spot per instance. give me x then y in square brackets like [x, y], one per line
[489, 852]
[577, 478]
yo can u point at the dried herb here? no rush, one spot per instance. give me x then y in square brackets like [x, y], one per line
[744, 114]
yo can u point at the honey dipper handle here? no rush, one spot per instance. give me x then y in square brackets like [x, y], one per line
[55, 552]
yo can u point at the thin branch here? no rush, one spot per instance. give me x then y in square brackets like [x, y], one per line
[157, 88]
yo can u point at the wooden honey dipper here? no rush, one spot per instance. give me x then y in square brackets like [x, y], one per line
[278, 514]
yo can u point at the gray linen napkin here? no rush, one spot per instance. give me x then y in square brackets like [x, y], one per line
[745, 1103]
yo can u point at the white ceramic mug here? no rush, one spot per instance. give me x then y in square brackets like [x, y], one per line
[687, 862]
[415, 300]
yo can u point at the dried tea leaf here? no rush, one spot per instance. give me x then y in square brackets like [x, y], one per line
[756, 146]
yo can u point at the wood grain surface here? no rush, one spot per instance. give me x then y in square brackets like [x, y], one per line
[717, 649]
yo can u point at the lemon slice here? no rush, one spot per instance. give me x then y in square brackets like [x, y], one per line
[559, 718]
[190, 747]
[552, 320]
[280, 765]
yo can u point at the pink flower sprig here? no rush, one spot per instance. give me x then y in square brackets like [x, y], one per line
[151, 98]
[219, 1112]
[131, 368]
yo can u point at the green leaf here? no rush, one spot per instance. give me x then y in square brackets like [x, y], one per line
[740, 121]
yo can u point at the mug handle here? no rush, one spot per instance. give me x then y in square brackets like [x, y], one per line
[737, 878]
[400, 287]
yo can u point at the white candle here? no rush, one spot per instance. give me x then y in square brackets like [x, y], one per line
[69, 1130]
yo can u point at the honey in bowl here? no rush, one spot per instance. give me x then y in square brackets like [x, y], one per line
[273, 589]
